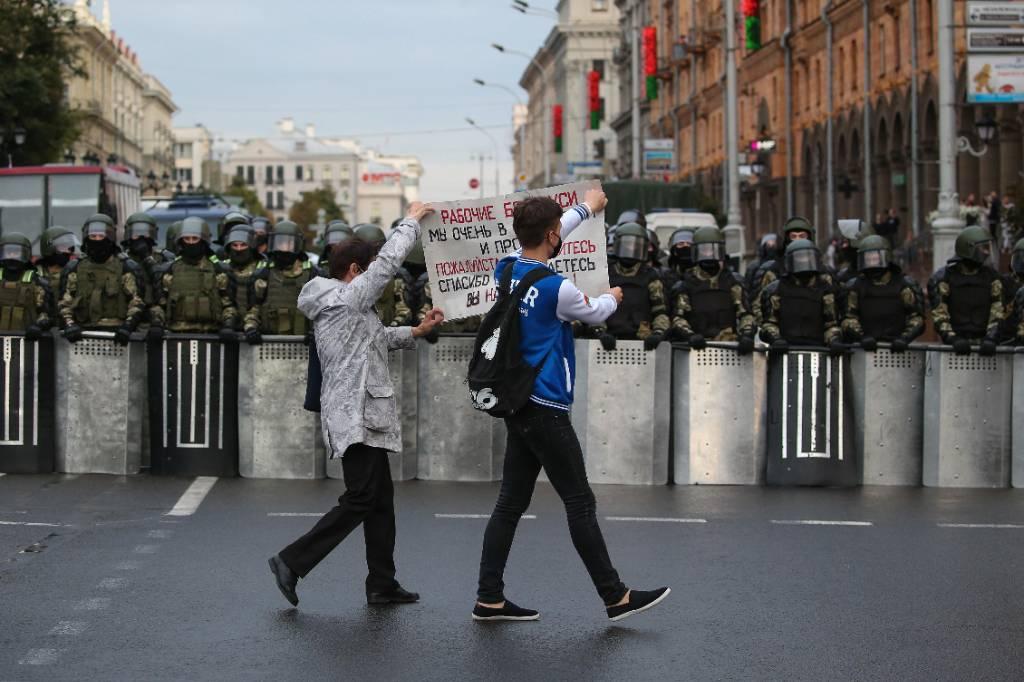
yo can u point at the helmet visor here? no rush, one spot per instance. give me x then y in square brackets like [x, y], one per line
[712, 251]
[98, 228]
[631, 247]
[193, 228]
[286, 243]
[14, 252]
[66, 243]
[981, 252]
[804, 260]
[873, 260]
[260, 226]
[1017, 262]
[241, 235]
[337, 237]
[141, 229]
[683, 237]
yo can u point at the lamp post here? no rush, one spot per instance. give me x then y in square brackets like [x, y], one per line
[734, 230]
[947, 224]
[985, 129]
[546, 131]
[526, 8]
[497, 176]
[19, 139]
[520, 133]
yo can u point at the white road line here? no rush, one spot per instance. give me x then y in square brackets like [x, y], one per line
[288, 514]
[68, 627]
[94, 604]
[128, 566]
[41, 657]
[2, 475]
[653, 519]
[14, 512]
[113, 584]
[159, 534]
[146, 549]
[476, 516]
[980, 525]
[819, 522]
[190, 500]
[30, 523]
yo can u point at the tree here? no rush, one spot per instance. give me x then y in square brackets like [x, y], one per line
[250, 200]
[304, 211]
[38, 55]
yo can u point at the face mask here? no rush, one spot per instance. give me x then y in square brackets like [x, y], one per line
[100, 251]
[804, 278]
[140, 249]
[558, 247]
[283, 259]
[12, 268]
[628, 262]
[241, 258]
[59, 259]
[192, 252]
[712, 267]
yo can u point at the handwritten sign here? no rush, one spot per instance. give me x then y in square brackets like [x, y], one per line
[464, 240]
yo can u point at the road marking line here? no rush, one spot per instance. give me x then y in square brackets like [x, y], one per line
[94, 604]
[653, 519]
[146, 549]
[41, 657]
[288, 514]
[476, 516]
[980, 525]
[159, 534]
[819, 522]
[68, 627]
[113, 583]
[2, 475]
[128, 566]
[31, 523]
[13, 512]
[190, 500]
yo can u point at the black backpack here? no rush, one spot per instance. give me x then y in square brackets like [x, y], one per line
[500, 381]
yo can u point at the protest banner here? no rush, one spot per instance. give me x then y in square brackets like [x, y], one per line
[464, 240]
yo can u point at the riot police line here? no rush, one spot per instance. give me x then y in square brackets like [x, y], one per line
[697, 411]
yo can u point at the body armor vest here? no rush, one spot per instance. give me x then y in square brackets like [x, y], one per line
[100, 293]
[385, 305]
[801, 318]
[970, 300]
[243, 278]
[17, 303]
[635, 308]
[881, 308]
[193, 297]
[52, 278]
[279, 312]
[712, 307]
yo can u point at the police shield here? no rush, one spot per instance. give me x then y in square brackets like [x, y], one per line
[27, 418]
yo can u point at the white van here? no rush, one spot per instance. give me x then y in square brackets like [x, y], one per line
[665, 222]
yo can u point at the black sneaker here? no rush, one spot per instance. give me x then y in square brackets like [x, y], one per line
[639, 600]
[507, 612]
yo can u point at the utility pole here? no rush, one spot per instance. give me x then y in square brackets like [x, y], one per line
[634, 37]
[947, 224]
[734, 231]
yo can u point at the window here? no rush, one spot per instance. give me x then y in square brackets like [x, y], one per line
[896, 56]
[599, 67]
[280, 200]
[328, 175]
[929, 20]
[881, 49]
[280, 175]
[842, 71]
[854, 71]
[309, 172]
[240, 172]
[599, 5]
[298, 173]
[270, 200]
[250, 175]
[268, 175]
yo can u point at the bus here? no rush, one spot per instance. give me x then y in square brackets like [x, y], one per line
[200, 204]
[35, 198]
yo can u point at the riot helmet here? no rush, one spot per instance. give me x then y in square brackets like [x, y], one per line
[653, 247]
[230, 220]
[798, 228]
[974, 244]
[261, 229]
[680, 249]
[803, 258]
[193, 239]
[632, 215]
[768, 248]
[609, 239]
[336, 232]
[171, 238]
[238, 245]
[15, 251]
[416, 257]
[873, 253]
[140, 233]
[286, 243]
[58, 244]
[709, 248]
[1017, 258]
[99, 238]
[630, 244]
[371, 233]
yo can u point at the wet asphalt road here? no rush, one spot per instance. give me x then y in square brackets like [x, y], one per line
[114, 589]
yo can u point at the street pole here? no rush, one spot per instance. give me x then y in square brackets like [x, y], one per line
[915, 198]
[866, 129]
[635, 115]
[947, 224]
[497, 159]
[734, 232]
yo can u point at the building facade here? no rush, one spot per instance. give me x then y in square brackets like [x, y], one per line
[158, 109]
[194, 164]
[582, 41]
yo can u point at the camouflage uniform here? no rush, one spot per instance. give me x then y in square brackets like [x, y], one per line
[729, 284]
[882, 324]
[196, 298]
[393, 307]
[24, 302]
[1012, 284]
[102, 295]
[273, 297]
[976, 311]
[51, 275]
[772, 271]
[468, 325]
[783, 292]
[644, 309]
[244, 277]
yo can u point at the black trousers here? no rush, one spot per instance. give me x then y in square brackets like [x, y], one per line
[544, 437]
[368, 500]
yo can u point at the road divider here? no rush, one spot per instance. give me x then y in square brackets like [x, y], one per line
[190, 500]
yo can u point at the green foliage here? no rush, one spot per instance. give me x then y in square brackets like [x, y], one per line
[304, 211]
[38, 56]
[250, 200]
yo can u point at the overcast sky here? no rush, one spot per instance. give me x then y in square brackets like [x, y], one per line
[386, 72]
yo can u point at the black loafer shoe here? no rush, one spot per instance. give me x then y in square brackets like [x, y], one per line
[639, 601]
[509, 611]
[286, 579]
[399, 595]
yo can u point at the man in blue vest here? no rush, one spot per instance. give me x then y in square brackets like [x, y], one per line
[541, 434]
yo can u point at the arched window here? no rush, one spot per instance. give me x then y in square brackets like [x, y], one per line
[882, 44]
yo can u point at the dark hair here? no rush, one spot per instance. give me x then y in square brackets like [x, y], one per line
[533, 218]
[352, 251]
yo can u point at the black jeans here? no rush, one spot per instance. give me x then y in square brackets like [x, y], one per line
[369, 500]
[540, 436]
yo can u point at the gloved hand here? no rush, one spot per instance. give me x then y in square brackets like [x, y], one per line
[308, 339]
[899, 345]
[697, 342]
[155, 334]
[988, 348]
[607, 341]
[869, 343]
[837, 348]
[253, 337]
[961, 346]
[33, 332]
[73, 333]
[228, 335]
[433, 337]
[778, 347]
[123, 335]
[676, 334]
[653, 340]
[745, 345]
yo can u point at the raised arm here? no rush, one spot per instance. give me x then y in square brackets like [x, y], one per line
[573, 305]
[366, 289]
[594, 202]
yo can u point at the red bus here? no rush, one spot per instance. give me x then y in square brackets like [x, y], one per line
[34, 198]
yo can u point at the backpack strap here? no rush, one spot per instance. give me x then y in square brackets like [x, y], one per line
[532, 277]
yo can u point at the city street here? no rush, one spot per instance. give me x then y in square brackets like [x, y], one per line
[99, 581]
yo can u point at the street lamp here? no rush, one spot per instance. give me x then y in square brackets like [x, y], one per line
[111, 159]
[526, 8]
[69, 157]
[522, 128]
[19, 136]
[497, 177]
[986, 130]
[758, 168]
